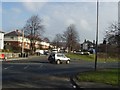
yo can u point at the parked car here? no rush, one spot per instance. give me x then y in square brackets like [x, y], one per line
[40, 51]
[46, 52]
[82, 53]
[58, 58]
[54, 50]
[85, 53]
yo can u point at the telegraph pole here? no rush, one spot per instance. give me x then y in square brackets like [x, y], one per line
[96, 47]
[22, 41]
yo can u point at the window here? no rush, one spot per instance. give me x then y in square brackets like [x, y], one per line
[12, 37]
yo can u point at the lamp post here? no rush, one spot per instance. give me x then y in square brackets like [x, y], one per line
[96, 47]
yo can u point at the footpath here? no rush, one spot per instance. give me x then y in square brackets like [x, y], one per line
[20, 58]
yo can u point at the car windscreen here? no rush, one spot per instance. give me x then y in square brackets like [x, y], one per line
[60, 55]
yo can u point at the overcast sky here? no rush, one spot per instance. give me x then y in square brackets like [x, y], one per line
[57, 16]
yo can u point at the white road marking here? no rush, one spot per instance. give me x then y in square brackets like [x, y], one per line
[41, 66]
[26, 67]
[8, 67]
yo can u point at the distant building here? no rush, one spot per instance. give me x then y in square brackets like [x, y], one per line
[87, 45]
[1, 40]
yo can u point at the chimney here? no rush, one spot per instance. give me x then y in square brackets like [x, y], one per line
[17, 30]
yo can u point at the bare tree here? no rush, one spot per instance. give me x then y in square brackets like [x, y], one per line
[113, 39]
[71, 37]
[112, 35]
[57, 40]
[118, 35]
[33, 30]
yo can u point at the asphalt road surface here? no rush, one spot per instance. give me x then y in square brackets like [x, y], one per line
[37, 72]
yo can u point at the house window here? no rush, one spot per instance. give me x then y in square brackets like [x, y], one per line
[8, 44]
[12, 37]
[20, 44]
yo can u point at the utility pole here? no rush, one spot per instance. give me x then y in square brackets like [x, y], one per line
[22, 41]
[96, 47]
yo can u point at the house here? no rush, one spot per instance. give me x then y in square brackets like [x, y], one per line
[44, 45]
[84, 46]
[14, 40]
[88, 45]
[1, 40]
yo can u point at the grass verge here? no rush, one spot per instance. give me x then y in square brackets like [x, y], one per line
[90, 58]
[106, 76]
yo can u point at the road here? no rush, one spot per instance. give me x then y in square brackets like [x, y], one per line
[37, 72]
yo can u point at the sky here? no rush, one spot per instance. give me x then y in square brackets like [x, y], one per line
[57, 16]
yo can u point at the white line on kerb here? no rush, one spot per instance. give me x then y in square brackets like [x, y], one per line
[8, 67]
[26, 67]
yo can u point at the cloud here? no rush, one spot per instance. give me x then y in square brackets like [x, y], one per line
[46, 21]
[33, 6]
[59, 0]
[119, 12]
[16, 10]
[0, 16]
[84, 24]
[70, 21]
[0, 10]
[57, 16]
[0, 7]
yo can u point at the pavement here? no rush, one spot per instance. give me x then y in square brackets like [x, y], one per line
[20, 58]
[76, 82]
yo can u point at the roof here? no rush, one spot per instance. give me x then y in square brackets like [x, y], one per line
[14, 33]
[1, 32]
[35, 37]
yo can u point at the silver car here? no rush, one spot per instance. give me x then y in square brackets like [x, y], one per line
[58, 58]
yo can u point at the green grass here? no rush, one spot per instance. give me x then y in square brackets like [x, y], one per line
[106, 76]
[90, 58]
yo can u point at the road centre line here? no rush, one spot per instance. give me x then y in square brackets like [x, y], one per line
[8, 67]
[41, 66]
[26, 67]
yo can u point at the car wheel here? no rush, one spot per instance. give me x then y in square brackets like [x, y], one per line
[58, 61]
[68, 61]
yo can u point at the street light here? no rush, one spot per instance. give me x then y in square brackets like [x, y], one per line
[96, 48]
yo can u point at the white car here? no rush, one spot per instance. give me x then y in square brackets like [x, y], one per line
[58, 58]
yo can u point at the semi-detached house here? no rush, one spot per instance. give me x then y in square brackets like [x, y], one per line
[15, 40]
